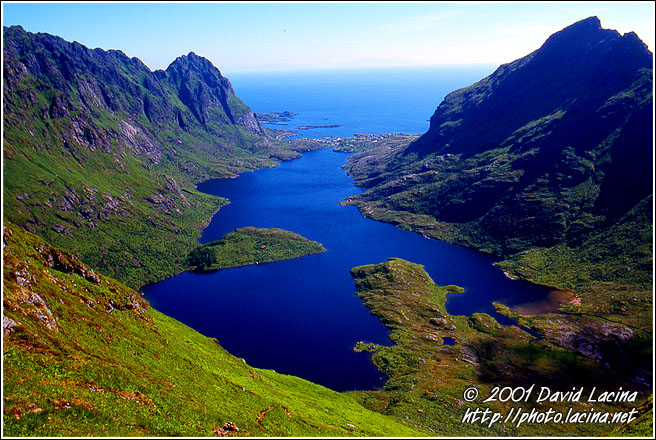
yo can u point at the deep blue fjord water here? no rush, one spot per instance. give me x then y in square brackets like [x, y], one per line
[302, 316]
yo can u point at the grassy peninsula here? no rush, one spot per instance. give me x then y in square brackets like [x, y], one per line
[251, 245]
[428, 375]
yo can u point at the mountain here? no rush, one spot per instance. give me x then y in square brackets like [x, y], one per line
[585, 86]
[208, 95]
[572, 75]
[547, 162]
[101, 155]
[570, 119]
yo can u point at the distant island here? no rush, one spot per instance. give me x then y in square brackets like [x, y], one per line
[282, 118]
[309, 127]
[275, 118]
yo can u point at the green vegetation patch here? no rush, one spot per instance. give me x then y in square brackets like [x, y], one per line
[252, 245]
[428, 376]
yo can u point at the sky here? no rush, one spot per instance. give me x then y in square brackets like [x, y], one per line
[265, 36]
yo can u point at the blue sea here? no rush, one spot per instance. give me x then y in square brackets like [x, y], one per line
[371, 101]
[302, 316]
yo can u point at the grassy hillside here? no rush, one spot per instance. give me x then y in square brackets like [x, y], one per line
[86, 356]
[611, 271]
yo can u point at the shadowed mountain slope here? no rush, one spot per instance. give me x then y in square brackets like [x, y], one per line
[545, 150]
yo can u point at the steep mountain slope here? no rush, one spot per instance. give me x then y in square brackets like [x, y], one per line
[552, 153]
[541, 147]
[85, 355]
[101, 155]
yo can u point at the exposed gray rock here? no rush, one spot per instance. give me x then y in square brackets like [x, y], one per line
[39, 309]
[9, 326]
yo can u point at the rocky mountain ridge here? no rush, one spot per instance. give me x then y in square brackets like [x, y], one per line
[576, 69]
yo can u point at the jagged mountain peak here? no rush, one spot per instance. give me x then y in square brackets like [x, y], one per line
[586, 38]
[578, 38]
[208, 94]
[190, 67]
[193, 62]
[587, 26]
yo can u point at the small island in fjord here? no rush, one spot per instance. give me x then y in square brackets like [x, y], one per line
[251, 245]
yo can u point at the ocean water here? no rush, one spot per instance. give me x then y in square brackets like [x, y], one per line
[371, 101]
[302, 316]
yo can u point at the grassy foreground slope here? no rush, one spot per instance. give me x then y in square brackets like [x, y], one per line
[642, 427]
[86, 356]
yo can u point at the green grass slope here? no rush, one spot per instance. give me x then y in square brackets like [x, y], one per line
[643, 426]
[611, 271]
[86, 356]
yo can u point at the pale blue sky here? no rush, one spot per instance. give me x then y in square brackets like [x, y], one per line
[268, 36]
